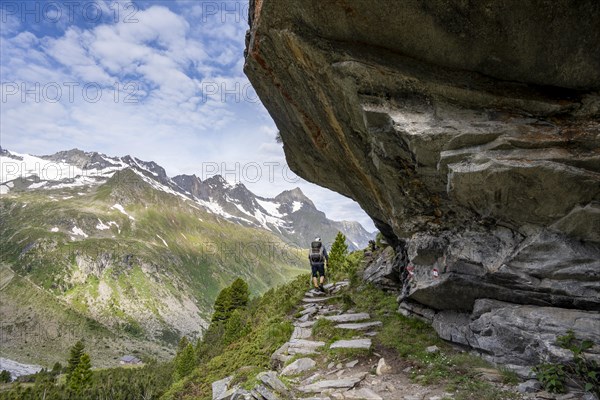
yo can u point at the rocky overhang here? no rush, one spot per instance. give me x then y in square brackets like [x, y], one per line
[470, 133]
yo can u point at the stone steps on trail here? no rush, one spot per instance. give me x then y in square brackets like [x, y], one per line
[302, 346]
[359, 326]
[305, 324]
[352, 344]
[316, 299]
[299, 366]
[336, 287]
[348, 317]
[330, 384]
[310, 310]
[301, 333]
[315, 293]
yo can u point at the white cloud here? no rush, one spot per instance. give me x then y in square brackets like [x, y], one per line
[193, 103]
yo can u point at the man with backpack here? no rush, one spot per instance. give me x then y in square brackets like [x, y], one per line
[317, 256]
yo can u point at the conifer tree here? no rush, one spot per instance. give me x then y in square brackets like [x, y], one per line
[74, 358]
[235, 327]
[222, 305]
[185, 362]
[231, 298]
[5, 376]
[81, 377]
[240, 294]
[183, 342]
[338, 254]
[56, 369]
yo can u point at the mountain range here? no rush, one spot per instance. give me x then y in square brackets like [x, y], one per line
[113, 250]
[290, 215]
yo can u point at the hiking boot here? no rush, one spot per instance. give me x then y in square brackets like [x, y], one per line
[321, 288]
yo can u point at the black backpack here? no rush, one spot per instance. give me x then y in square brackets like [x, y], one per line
[316, 252]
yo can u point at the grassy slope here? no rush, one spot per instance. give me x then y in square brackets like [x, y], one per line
[125, 277]
[270, 327]
[400, 337]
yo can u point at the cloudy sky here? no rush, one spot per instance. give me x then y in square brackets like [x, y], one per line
[160, 80]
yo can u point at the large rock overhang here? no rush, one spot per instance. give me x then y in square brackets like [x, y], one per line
[468, 131]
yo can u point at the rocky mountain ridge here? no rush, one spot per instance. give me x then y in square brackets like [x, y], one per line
[290, 215]
[472, 143]
[125, 262]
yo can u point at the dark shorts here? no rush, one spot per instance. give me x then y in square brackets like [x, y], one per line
[320, 268]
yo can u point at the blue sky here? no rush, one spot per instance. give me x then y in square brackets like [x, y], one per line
[161, 80]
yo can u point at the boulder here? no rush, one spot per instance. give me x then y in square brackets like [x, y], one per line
[529, 386]
[272, 381]
[280, 356]
[220, 388]
[263, 393]
[299, 366]
[382, 367]
[383, 271]
[518, 335]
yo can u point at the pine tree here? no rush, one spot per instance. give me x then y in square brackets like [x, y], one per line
[337, 255]
[5, 376]
[235, 327]
[231, 298]
[183, 342]
[185, 362]
[81, 377]
[74, 358]
[222, 305]
[240, 294]
[56, 369]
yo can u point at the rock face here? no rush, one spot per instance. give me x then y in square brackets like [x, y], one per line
[470, 133]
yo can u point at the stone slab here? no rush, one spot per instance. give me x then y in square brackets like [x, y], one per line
[359, 326]
[352, 344]
[321, 386]
[348, 317]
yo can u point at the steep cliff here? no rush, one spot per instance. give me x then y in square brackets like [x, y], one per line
[470, 133]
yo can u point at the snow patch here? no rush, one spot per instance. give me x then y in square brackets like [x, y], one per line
[270, 207]
[111, 223]
[78, 231]
[55, 229]
[242, 209]
[4, 189]
[10, 185]
[67, 197]
[159, 186]
[101, 226]
[37, 185]
[120, 208]
[17, 369]
[79, 181]
[47, 170]
[296, 206]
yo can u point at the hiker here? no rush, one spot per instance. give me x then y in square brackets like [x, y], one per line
[317, 257]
